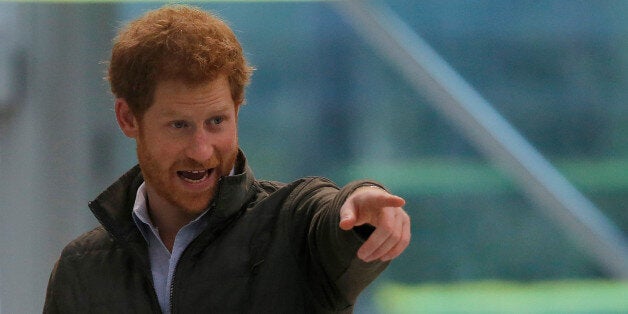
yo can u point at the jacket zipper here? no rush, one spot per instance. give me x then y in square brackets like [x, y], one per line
[174, 273]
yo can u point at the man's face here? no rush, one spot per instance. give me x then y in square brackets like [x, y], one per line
[187, 140]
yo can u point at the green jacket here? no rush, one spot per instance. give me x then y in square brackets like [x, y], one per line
[268, 248]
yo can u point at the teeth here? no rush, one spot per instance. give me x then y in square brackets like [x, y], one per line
[193, 176]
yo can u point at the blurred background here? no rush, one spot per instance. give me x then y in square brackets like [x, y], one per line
[504, 125]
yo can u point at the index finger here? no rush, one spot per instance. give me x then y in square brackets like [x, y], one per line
[383, 199]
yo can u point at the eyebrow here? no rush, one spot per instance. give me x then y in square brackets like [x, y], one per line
[218, 109]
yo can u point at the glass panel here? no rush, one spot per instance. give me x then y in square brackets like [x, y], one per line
[322, 102]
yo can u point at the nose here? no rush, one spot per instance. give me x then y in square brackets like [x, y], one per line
[200, 147]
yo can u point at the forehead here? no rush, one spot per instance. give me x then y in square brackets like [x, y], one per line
[178, 97]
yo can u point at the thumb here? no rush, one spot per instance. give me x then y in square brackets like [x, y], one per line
[347, 217]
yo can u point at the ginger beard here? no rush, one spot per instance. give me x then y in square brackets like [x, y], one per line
[168, 179]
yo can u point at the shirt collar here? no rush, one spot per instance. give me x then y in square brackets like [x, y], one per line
[140, 210]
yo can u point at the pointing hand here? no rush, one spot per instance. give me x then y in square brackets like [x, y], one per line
[374, 206]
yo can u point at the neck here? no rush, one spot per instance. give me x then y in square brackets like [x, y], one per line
[167, 227]
[168, 219]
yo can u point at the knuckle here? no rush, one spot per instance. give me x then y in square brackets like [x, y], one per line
[388, 226]
[405, 240]
[397, 235]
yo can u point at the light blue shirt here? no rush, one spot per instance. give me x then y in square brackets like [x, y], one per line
[162, 262]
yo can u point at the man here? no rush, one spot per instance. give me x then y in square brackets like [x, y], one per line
[190, 229]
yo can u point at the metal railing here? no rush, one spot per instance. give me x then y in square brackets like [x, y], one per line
[451, 95]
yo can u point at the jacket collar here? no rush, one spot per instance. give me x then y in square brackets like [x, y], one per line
[234, 191]
[114, 206]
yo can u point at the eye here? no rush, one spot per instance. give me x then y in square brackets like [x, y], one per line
[178, 124]
[216, 120]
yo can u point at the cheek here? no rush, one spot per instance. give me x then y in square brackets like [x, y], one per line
[165, 152]
[169, 148]
[228, 141]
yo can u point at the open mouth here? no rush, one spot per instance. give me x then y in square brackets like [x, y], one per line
[194, 176]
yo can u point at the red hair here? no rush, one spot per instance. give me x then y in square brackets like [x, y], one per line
[174, 43]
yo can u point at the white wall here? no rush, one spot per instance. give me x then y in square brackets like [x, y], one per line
[51, 135]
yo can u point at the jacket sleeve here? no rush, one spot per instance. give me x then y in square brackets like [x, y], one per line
[63, 294]
[50, 306]
[339, 274]
[59, 294]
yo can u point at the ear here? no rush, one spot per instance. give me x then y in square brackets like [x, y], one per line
[127, 121]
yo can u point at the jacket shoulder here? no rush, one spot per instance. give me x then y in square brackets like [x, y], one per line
[269, 186]
[95, 240]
